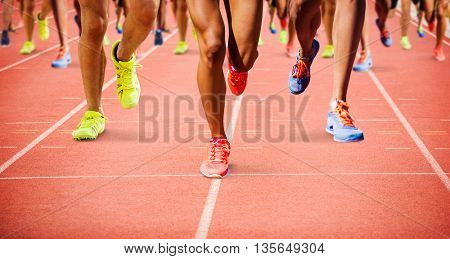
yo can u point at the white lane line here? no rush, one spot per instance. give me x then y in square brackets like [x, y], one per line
[210, 203]
[43, 52]
[407, 99]
[442, 148]
[412, 133]
[249, 148]
[69, 177]
[66, 117]
[389, 132]
[53, 147]
[70, 98]
[371, 99]
[444, 120]
[27, 122]
[397, 148]
[435, 132]
[8, 147]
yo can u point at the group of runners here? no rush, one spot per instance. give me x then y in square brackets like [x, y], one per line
[345, 23]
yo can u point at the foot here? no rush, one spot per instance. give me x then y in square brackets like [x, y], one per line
[406, 45]
[27, 48]
[236, 80]
[283, 36]
[181, 48]
[216, 165]
[158, 37]
[328, 52]
[63, 59]
[90, 127]
[272, 28]
[44, 32]
[5, 39]
[364, 62]
[119, 28]
[420, 32]
[300, 75]
[128, 87]
[385, 35]
[340, 124]
[439, 54]
[290, 50]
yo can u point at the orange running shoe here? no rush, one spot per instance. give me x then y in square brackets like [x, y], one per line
[216, 166]
[237, 81]
[439, 54]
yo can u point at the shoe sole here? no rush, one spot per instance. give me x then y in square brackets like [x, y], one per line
[216, 176]
[341, 140]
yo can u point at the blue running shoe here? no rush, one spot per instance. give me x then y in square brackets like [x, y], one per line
[63, 60]
[119, 28]
[5, 38]
[420, 32]
[364, 62]
[158, 37]
[340, 124]
[272, 28]
[385, 35]
[300, 75]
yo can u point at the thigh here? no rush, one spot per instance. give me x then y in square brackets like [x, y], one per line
[206, 17]
[99, 7]
[244, 19]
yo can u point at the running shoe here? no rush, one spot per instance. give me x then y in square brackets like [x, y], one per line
[106, 41]
[216, 165]
[159, 40]
[340, 124]
[328, 52]
[119, 28]
[290, 50]
[260, 41]
[406, 45]
[272, 28]
[27, 48]
[44, 32]
[385, 35]
[283, 36]
[236, 80]
[181, 48]
[364, 62]
[439, 54]
[63, 59]
[194, 32]
[420, 32]
[5, 38]
[128, 87]
[91, 125]
[301, 72]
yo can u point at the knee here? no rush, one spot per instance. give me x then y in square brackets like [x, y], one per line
[94, 26]
[145, 14]
[214, 48]
[182, 5]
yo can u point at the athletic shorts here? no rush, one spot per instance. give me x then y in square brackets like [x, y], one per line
[273, 3]
[394, 4]
[421, 4]
[120, 3]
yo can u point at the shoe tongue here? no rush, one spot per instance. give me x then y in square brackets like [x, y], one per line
[92, 114]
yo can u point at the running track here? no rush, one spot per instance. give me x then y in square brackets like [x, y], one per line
[393, 185]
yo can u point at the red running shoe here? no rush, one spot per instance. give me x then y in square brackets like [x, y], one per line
[237, 81]
[216, 166]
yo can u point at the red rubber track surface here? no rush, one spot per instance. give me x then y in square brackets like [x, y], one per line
[306, 187]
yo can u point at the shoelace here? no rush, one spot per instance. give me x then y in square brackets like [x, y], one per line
[301, 68]
[126, 74]
[362, 57]
[344, 115]
[61, 53]
[237, 77]
[219, 152]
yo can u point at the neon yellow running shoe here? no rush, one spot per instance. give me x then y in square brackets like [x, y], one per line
[128, 87]
[328, 52]
[181, 48]
[260, 42]
[91, 125]
[283, 36]
[406, 45]
[106, 41]
[194, 32]
[44, 32]
[27, 48]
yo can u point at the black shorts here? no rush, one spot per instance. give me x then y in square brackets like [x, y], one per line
[394, 4]
[421, 4]
[273, 3]
[120, 3]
